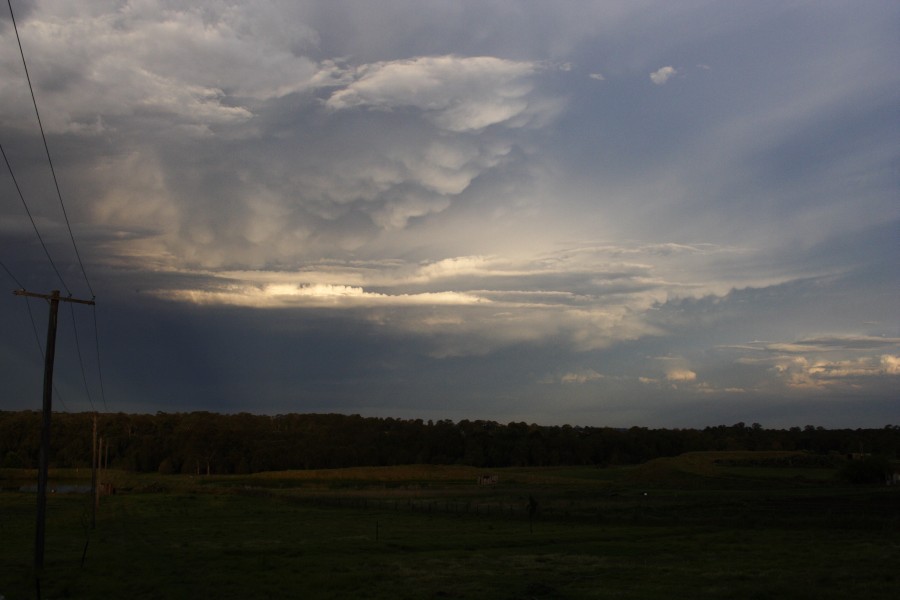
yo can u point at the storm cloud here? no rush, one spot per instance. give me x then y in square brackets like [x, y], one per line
[594, 213]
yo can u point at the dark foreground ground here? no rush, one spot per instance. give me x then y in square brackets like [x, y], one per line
[683, 527]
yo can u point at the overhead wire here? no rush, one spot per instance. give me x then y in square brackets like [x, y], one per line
[87, 389]
[11, 276]
[33, 223]
[99, 370]
[52, 264]
[68, 226]
[47, 150]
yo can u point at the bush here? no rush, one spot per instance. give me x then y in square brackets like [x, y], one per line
[866, 470]
[12, 460]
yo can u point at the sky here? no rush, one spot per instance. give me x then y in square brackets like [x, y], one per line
[635, 213]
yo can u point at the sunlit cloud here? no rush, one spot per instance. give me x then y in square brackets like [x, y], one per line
[833, 344]
[890, 364]
[662, 75]
[680, 375]
[316, 295]
[580, 377]
[804, 373]
[826, 363]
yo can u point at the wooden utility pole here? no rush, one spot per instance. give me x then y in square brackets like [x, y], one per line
[99, 488]
[44, 455]
[95, 459]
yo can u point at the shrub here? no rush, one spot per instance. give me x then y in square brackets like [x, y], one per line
[166, 467]
[865, 470]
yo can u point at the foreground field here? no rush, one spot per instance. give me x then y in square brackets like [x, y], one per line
[685, 527]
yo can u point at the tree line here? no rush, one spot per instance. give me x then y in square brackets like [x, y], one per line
[212, 443]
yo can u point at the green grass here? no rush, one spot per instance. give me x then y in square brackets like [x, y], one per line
[429, 532]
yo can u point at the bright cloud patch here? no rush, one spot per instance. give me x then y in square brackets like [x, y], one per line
[834, 343]
[662, 75]
[474, 303]
[804, 373]
[822, 363]
[680, 375]
[890, 364]
[317, 295]
[581, 377]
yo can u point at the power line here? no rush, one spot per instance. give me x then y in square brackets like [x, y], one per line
[68, 226]
[37, 336]
[87, 389]
[47, 150]
[33, 224]
[99, 370]
[8, 272]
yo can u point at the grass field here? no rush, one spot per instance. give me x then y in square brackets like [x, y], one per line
[681, 527]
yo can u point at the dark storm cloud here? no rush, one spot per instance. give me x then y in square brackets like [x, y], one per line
[594, 212]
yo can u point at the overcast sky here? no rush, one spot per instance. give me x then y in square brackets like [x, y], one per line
[664, 214]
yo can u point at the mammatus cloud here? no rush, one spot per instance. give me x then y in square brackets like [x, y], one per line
[159, 83]
[458, 97]
[458, 94]
[299, 196]
[662, 75]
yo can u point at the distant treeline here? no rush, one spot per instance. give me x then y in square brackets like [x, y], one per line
[208, 443]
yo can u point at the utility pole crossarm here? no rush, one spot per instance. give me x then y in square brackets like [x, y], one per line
[52, 297]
